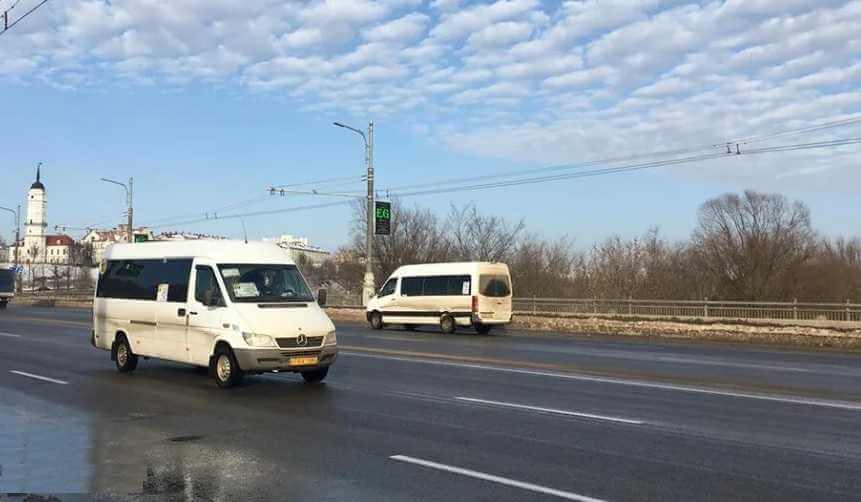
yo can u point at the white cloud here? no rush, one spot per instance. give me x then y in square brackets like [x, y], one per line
[404, 29]
[550, 80]
[504, 33]
[463, 22]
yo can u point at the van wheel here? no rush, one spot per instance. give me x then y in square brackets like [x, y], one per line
[226, 371]
[376, 320]
[125, 359]
[3, 305]
[447, 324]
[482, 329]
[410, 327]
[315, 376]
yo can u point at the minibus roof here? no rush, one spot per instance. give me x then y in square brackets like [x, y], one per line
[217, 250]
[465, 267]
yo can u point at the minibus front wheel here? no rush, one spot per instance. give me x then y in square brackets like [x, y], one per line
[225, 368]
[315, 376]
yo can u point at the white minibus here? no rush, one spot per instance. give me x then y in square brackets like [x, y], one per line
[474, 294]
[230, 306]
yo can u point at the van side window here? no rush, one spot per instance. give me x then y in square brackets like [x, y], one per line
[139, 279]
[436, 286]
[411, 286]
[459, 285]
[389, 287]
[204, 281]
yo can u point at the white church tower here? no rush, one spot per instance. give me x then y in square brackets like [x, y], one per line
[36, 223]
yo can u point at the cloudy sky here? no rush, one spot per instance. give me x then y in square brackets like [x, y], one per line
[208, 102]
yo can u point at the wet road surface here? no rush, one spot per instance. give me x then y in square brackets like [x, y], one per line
[424, 416]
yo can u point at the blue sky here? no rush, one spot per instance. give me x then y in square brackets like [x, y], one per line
[206, 104]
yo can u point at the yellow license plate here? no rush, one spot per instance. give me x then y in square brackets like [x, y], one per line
[303, 361]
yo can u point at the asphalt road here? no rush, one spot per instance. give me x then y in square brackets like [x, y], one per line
[425, 416]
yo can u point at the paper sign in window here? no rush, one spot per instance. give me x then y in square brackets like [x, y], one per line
[245, 290]
[162, 292]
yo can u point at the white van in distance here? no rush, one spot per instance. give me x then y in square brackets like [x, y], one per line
[474, 294]
[230, 306]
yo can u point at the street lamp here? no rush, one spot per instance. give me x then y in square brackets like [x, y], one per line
[17, 216]
[368, 289]
[129, 190]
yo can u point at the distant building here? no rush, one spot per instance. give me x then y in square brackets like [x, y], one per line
[185, 236]
[99, 239]
[300, 246]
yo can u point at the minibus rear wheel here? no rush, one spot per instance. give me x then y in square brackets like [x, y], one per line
[447, 324]
[315, 376]
[482, 329]
[226, 371]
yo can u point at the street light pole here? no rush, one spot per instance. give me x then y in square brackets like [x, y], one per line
[368, 288]
[129, 211]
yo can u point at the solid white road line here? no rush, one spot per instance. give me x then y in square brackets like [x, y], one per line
[38, 377]
[10, 335]
[550, 410]
[826, 403]
[496, 479]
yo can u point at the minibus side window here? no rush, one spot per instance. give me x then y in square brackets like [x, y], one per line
[411, 286]
[206, 286]
[389, 287]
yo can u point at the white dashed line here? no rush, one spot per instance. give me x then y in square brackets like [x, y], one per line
[550, 410]
[495, 479]
[38, 377]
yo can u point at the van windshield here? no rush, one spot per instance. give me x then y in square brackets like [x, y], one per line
[6, 281]
[258, 283]
[494, 285]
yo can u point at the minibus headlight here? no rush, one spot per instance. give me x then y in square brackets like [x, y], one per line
[331, 339]
[256, 340]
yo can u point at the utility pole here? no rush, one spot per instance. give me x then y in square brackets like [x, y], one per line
[368, 288]
[129, 210]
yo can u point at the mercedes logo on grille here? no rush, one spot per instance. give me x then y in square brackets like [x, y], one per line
[301, 340]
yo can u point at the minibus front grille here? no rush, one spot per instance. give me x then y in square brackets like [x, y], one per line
[291, 353]
[292, 343]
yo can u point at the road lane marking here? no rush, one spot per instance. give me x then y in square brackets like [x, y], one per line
[549, 410]
[495, 479]
[10, 335]
[38, 377]
[826, 403]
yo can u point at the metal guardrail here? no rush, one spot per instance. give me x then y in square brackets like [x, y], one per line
[695, 309]
[704, 309]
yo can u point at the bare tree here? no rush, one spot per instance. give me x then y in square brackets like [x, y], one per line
[475, 237]
[752, 244]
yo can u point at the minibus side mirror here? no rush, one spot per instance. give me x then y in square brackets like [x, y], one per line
[321, 297]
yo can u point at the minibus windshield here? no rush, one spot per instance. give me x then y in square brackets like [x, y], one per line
[263, 283]
[6, 281]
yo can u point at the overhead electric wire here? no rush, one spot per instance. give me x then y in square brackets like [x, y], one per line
[257, 213]
[545, 179]
[613, 160]
[321, 182]
[802, 130]
[630, 168]
[13, 23]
